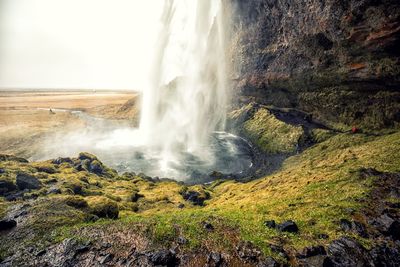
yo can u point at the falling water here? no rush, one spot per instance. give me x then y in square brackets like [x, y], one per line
[187, 99]
[181, 134]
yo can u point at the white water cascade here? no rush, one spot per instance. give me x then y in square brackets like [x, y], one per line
[187, 99]
[181, 133]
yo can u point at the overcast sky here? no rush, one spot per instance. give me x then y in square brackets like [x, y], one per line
[103, 44]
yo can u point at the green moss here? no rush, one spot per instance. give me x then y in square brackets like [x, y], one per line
[3, 209]
[315, 189]
[76, 202]
[103, 207]
[46, 167]
[320, 135]
[271, 134]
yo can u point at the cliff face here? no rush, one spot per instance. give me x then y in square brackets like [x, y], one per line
[335, 59]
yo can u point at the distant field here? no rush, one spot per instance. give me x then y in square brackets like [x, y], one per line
[25, 120]
[63, 99]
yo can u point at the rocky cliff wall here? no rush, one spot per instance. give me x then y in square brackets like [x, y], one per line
[335, 59]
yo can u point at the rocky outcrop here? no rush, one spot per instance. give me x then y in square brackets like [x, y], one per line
[335, 59]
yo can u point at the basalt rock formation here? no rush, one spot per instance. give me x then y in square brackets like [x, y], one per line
[337, 60]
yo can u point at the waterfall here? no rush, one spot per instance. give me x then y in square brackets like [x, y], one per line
[187, 98]
[181, 133]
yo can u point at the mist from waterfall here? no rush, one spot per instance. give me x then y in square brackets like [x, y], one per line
[183, 109]
[186, 101]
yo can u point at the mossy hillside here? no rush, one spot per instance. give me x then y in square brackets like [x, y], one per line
[272, 135]
[315, 188]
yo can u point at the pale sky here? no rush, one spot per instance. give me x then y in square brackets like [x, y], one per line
[96, 44]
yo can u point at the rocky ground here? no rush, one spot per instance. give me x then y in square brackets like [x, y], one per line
[335, 203]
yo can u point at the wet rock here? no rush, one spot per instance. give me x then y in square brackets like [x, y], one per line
[384, 255]
[16, 196]
[216, 258]
[6, 186]
[360, 229]
[136, 196]
[82, 248]
[86, 156]
[96, 167]
[107, 258]
[279, 250]
[345, 225]
[40, 253]
[394, 230]
[248, 252]
[197, 198]
[316, 261]
[7, 225]
[288, 226]
[268, 262]
[54, 190]
[270, 224]
[164, 258]
[60, 160]
[348, 252]
[27, 181]
[311, 251]
[382, 223]
[354, 226]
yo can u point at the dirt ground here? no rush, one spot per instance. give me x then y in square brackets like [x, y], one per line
[25, 118]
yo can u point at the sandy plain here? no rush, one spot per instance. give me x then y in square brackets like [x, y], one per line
[26, 120]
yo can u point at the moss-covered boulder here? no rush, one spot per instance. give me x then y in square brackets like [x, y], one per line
[103, 207]
[270, 134]
[27, 181]
[197, 195]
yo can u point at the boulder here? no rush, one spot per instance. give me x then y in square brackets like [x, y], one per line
[269, 262]
[6, 186]
[104, 207]
[197, 195]
[164, 258]
[208, 226]
[62, 160]
[346, 251]
[216, 258]
[84, 155]
[7, 224]
[311, 252]
[288, 226]
[54, 190]
[394, 230]
[248, 252]
[354, 226]
[270, 224]
[384, 255]
[27, 181]
[96, 167]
